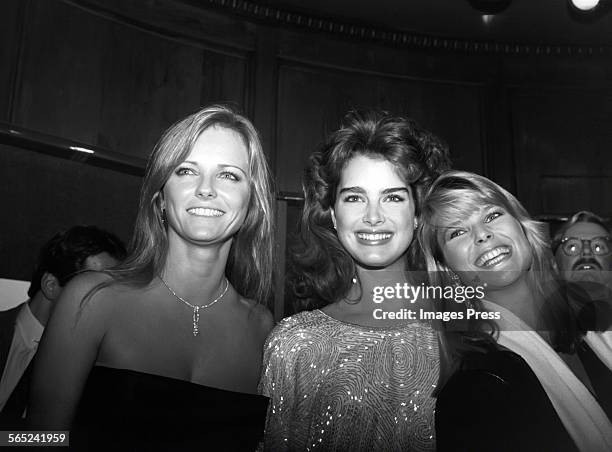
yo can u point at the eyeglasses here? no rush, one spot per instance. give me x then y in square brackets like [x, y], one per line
[573, 246]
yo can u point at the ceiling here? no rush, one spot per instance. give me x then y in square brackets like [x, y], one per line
[524, 21]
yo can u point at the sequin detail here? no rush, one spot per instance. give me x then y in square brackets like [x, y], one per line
[338, 386]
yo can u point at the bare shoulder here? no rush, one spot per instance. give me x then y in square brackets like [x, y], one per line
[89, 292]
[89, 279]
[259, 314]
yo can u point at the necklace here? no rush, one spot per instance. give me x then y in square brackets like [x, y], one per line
[196, 308]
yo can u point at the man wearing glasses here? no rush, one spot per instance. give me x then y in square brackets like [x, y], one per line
[583, 249]
[583, 252]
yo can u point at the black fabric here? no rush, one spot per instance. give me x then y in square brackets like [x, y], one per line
[7, 329]
[125, 410]
[494, 401]
[10, 417]
[599, 376]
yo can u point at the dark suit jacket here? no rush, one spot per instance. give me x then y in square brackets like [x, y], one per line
[599, 375]
[10, 417]
[495, 402]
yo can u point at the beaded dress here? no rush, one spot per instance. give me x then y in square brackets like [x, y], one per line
[340, 386]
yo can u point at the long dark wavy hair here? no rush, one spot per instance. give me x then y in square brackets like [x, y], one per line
[250, 264]
[321, 270]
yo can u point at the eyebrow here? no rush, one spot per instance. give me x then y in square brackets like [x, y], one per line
[191, 162]
[394, 189]
[454, 224]
[384, 192]
[483, 210]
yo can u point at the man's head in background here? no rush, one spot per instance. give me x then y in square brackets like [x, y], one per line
[583, 248]
[67, 253]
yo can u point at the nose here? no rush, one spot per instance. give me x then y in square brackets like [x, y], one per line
[373, 215]
[206, 188]
[482, 234]
[586, 248]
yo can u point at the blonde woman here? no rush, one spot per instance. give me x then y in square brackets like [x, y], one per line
[164, 352]
[505, 386]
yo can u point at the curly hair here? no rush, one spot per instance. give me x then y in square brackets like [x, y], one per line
[321, 269]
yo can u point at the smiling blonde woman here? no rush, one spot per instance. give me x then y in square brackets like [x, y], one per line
[505, 386]
[158, 353]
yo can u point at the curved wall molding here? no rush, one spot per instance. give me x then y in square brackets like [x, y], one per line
[392, 37]
[249, 10]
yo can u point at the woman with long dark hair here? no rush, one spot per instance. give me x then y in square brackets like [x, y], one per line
[351, 374]
[164, 351]
[505, 384]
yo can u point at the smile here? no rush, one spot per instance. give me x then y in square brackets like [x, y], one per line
[205, 212]
[373, 238]
[493, 257]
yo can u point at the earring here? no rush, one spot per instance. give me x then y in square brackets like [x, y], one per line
[416, 223]
[354, 280]
[163, 217]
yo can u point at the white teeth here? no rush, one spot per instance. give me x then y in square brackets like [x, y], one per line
[373, 237]
[492, 257]
[202, 212]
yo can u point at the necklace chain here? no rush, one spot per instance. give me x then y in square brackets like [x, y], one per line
[196, 308]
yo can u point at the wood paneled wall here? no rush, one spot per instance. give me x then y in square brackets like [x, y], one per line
[115, 74]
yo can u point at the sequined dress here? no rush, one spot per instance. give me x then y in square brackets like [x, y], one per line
[339, 386]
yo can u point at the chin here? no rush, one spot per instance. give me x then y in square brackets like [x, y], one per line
[502, 278]
[204, 237]
[375, 262]
[587, 276]
[374, 265]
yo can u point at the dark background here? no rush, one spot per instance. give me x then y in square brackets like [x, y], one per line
[532, 114]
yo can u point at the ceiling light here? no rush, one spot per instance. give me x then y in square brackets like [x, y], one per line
[487, 18]
[585, 5]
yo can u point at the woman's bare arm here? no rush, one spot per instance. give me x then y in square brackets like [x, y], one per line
[67, 352]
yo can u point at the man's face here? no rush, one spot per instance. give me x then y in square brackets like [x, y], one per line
[584, 253]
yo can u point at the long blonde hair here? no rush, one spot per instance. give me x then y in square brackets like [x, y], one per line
[250, 264]
[457, 194]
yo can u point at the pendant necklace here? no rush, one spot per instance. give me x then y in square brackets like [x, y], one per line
[196, 308]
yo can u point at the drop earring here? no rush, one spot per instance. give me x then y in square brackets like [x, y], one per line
[333, 218]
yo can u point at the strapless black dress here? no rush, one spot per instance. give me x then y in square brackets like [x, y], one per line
[126, 410]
